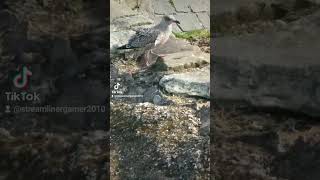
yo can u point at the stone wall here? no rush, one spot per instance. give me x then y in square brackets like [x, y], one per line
[193, 14]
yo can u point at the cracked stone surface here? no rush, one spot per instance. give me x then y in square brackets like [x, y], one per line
[191, 83]
[188, 22]
[163, 7]
[192, 12]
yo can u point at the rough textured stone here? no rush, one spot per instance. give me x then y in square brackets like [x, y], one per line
[163, 7]
[119, 38]
[186, 59]
[190, 83]
[204, 19]
[132, 4]
[131, 22]
[276, 69]
[181, 5]
[188, 22]
[200, 5]
[119, 10]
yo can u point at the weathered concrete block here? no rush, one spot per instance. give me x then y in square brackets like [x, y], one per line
[189, 22]
[181, 5]
[200, 5]
[163, 7]
[204, 19]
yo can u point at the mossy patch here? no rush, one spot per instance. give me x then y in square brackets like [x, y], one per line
[193, 35]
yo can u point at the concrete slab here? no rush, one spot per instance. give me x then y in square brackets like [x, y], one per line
[181, 5]
[163, 7]
[204, 19]
[188, 22]
[199, 5]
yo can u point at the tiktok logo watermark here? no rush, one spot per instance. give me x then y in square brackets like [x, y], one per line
[116, 87]
[21, 79]
[22, 96]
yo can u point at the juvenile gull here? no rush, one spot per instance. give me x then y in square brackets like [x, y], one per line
[150, 38]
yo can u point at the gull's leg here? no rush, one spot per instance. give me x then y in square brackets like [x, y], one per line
[146, 58]
[160, 55]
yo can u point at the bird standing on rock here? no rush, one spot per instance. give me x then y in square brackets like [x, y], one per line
[150, 38]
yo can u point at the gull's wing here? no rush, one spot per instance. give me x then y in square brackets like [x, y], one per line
[144, 38]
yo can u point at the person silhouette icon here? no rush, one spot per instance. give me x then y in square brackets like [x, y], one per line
[7, 109]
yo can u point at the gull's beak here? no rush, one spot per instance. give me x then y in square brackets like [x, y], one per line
[177, 22]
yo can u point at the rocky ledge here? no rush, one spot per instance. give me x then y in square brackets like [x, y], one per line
[277, 68]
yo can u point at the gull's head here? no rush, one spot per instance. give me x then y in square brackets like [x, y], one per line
[170, 19]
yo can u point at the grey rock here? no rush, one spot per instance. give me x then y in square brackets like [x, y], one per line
[205, 120]
[163, 7]
[132, 4]
[131, 22]
[157, 100]
[181, 5]
[200, 5]
[188, 22]
[204, 19]
[150, 93]
[120, 10]
[191, 83]
[183, 60]
[119, 38]
[276, 69]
